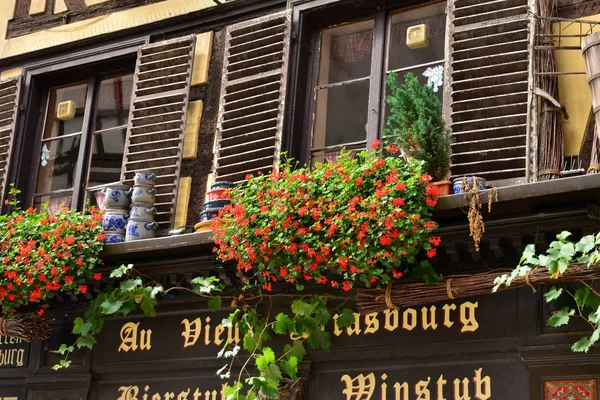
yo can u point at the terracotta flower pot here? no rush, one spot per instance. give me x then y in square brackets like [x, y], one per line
[444, 187]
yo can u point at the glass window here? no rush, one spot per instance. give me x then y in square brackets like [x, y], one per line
[60, 169]
[342, 94]
[346, 73]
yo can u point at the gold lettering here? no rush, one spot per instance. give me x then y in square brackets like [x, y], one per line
[372, 323]
[404, 388]
[169, 396]
[183, 395]
[469, 323]
[406, 325]
[421, 390]
[391, 320]
[383, 386]
[356, 329]
[483, 387]
[191, 331]
[336, 330]
[20, 356]
[128, 392]
[207, 332]
[129, 338]
[447, 308]
[424, 320]
[359, 388]
[440, 387]
[156, 396]
[233, 334]
[197, 394]
[465, 389]
[218, 332]
[207, 395]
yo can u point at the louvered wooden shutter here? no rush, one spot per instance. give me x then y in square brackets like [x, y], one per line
[489, 72]
[9, 106]
[253, 87]
[157, 119]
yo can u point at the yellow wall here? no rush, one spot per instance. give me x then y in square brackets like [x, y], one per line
[92, 27]
[573, 90]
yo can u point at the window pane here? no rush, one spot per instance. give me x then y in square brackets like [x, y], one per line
[55, 201]
[107, 157]
[75, 93]
[57, 164]
[341, 115]
[402, 56]
[346, 52]
[112, 102]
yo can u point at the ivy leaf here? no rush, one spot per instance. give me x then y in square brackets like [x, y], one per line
[594, 317]
[345, 319]
[85, 341]
[553, 294]
[320, 340]
[584, 344]
[215, 303]
[130, 284]
[283, 324]
[111, 306]
[561, 317]
[581, 296]
[250, 343]
[297, 350]
[567, 251]
[586, 244]
[148, 306]
[290, 367]
[127, 307]
[274, 374]
[299, 307]
[265, 360]
[563, 235]
[206, 285]
[81, 327]
[323, 316]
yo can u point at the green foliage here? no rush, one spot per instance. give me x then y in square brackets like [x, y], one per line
[560, 255]
[416, 122]
[117, 299]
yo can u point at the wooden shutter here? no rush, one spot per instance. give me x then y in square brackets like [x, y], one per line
[253, 86]
[489, 68]
[157, 119]
[9, 107]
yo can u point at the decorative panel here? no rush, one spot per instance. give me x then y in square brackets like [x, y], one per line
[9, 107]
[576, 389]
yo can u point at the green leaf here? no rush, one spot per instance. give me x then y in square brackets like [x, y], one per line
[62, 349]
[204, 285]
[567, 251]
[581, 296]
[111, 306]
[148, 306]
[81, 327]
[265, 360]
[274, 373]
[582, 345]
[299, 307]
[563, 235]
[586, 244]
[130, 284]
[594, 317]
[290, 367]
[320, 340]
[323, 316]
[250, 342]
[296, 350]
[561, 317]
[283, 324]
[227, 323]
[345, 319]
[127, 307]
[86, 341]
[215, 303]
[553, 294]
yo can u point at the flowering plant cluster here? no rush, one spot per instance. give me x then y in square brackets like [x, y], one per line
[364, 218]
[45, 253]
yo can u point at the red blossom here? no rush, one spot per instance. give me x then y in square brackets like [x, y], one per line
[97, 276]
[83, 288]
[375, 144]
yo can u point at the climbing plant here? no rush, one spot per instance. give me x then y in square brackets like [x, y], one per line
[563, 254]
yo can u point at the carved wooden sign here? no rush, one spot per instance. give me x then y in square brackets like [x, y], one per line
[14, 352]
[35, 15]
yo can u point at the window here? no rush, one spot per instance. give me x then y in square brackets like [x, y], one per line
[82, 153]
[354, 61]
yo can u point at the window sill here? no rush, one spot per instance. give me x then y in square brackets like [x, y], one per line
[147, 248]
[555, 193]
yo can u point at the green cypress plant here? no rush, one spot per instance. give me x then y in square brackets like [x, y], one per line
[416, 123]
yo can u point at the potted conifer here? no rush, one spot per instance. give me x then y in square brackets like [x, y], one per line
[416, 124]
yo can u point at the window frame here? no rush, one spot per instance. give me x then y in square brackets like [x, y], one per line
[310, 18]
[37, 77]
